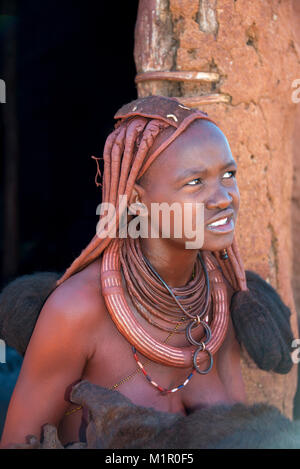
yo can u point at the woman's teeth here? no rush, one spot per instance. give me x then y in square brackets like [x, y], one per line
[223, 221]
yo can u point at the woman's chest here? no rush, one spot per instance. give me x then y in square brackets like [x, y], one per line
[116, 365]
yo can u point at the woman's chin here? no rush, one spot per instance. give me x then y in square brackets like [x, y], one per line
[218, 243]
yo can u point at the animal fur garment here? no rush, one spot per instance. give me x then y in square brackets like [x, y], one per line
[20, 304]
[260, 318]
[115, 423]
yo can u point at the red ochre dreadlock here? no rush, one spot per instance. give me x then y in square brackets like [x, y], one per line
[127, 155]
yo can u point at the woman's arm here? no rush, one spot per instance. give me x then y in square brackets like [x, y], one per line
[59, 348]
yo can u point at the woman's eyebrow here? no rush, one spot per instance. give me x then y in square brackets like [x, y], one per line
[190, 172]
[229, 165]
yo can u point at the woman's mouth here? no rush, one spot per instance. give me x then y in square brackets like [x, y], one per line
[224, 225]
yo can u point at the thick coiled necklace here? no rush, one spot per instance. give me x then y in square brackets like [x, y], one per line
[141, 272]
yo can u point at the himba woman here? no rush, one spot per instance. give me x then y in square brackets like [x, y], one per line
[160, 323]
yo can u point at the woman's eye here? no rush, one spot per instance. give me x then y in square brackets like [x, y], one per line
[229, 174]
[194, 182]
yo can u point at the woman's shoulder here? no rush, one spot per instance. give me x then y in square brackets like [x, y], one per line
[79, 297]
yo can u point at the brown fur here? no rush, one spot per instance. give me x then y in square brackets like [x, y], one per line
[21, 301]
[115, 423]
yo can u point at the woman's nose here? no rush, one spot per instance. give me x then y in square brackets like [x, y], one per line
[221, 198]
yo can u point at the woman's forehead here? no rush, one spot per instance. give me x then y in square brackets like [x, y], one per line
[200, 132]
[201, 143]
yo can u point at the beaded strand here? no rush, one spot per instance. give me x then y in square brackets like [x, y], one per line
[162, 390]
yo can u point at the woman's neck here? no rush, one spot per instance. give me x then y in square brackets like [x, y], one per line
[171, 261]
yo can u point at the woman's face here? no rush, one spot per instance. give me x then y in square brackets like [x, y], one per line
[196, 168]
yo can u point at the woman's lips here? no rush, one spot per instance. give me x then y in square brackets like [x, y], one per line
[227, 227]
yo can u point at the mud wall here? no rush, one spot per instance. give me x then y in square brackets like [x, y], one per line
[248, 60]
[296, 173]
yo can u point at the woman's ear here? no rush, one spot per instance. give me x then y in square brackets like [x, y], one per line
[136, 203]
[137, 195]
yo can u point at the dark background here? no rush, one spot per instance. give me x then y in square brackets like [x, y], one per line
[68, 67]
[74, 69]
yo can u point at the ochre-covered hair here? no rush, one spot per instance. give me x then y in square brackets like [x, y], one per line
[127, 156]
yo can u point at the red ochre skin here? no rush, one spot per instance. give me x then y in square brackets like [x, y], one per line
[75, 337]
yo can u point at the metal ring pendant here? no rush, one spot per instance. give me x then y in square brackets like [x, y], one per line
[189, 333]
[200, 349]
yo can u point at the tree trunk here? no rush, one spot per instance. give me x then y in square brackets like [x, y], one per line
[246, 54]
